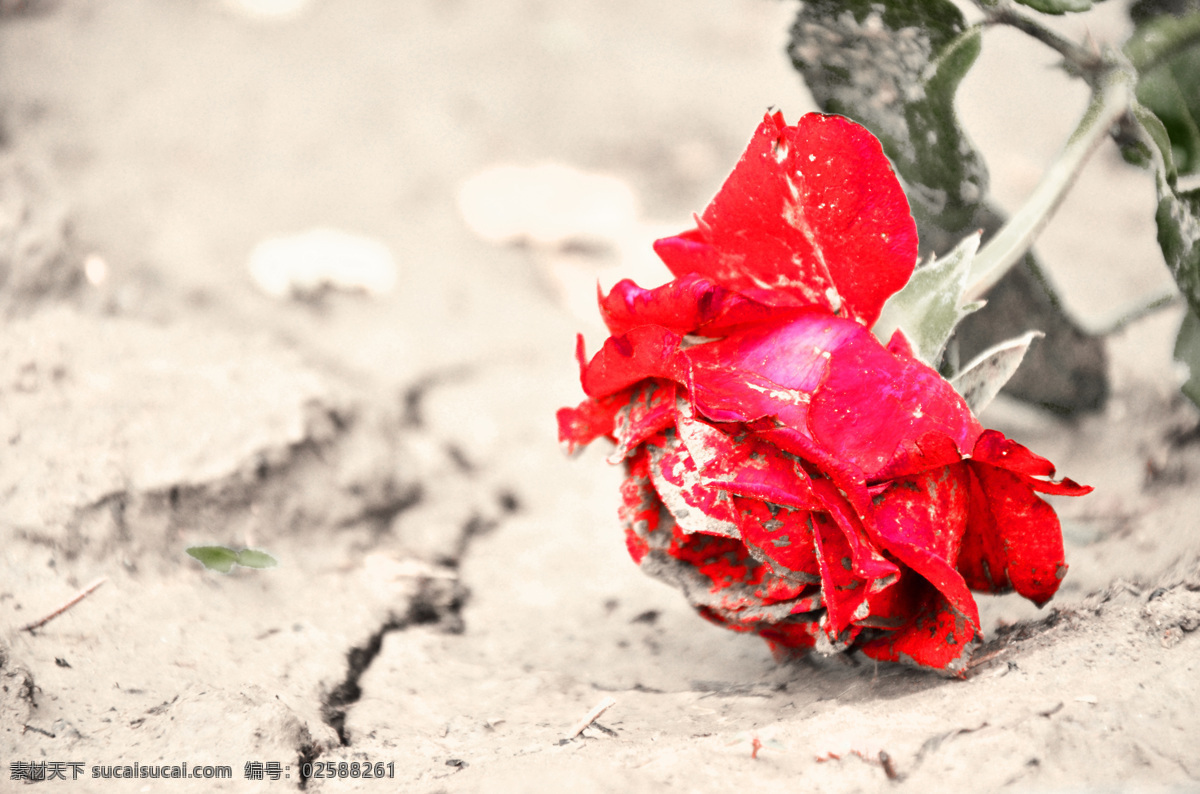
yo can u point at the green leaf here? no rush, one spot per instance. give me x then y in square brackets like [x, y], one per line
[931, 304]
[1178, 212]
[223, 558]
[1178, 220]
[981, 380]
[1057, 6]
[1168, 50]
[894, 66]
[214, 558]
[1187, 352]
[252, 558]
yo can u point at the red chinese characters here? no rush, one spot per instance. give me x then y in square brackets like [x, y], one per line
[793, 476]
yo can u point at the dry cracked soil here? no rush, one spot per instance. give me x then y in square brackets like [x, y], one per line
[453, 594]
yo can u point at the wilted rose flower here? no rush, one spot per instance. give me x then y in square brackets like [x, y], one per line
[793, 476]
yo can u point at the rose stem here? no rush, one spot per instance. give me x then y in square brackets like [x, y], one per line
[1109, 103]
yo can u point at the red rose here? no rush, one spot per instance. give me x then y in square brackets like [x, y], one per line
[791, 474]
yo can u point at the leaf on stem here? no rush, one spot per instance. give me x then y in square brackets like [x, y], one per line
[1170, 87]
[895, 66]
[931, 305]
[1178, 220]
[1057, 6]
[1187, 352]
[981, 380]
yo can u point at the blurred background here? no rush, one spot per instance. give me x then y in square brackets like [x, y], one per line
[250, 207]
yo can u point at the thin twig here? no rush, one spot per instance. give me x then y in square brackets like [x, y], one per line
[75, 599]
[1110, 102]
[591, 716]
[1127, 315]
[987, 657]
[1079, 60]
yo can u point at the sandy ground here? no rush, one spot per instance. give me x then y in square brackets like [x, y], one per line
[453, 594]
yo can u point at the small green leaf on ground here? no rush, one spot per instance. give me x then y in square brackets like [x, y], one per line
[222, 558]
[252, 558]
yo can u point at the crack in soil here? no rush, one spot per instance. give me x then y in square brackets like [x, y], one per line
[437, 603]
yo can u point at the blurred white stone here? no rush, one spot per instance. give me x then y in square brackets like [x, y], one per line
[548, 205]
[268, 9]
[304, 264]
[95, 269]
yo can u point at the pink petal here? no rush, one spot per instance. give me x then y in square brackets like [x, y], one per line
[920, 520]
[811, 215]
[871, 402]
[1013, 539]
[768, 370]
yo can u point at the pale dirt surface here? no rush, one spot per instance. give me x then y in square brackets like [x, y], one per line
[453, 593]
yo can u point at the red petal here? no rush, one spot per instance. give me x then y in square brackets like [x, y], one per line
[648, 351]
[1013, 539]
[811, 215]
[719, 575]
[871, 402]
[690, 304]
[993, 448]
[868, 563]
[647, 409]
[747, 466]
[920, 520]
[697, 507]
[787, 638]
[934, 634]
[592, 419]
[640, 509]
[899, 345]
[933, 450]
[785, 537]
[845, 593]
